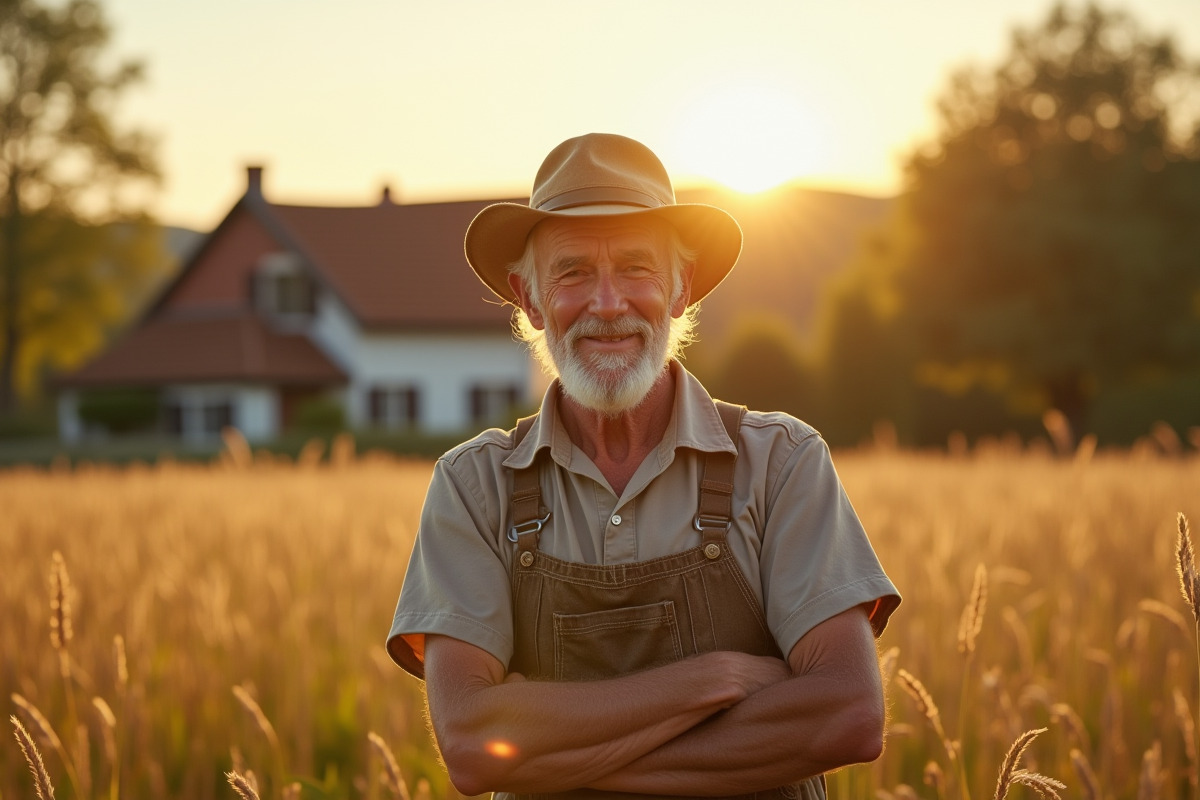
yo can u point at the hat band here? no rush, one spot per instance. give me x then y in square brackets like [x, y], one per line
[602, 195]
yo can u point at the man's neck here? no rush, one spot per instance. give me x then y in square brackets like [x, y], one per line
[617, 444]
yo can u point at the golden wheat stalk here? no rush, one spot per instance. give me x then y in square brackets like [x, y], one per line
[44, 729]
[1009, 774]
[1185, 566]
[929, 708]
[121, 661]
[1087, 775]
[392, 777]
[924, 699]
[1187, 728]
[241, 785]
[933, 776]
[60, 637]
[1164, 612]
[264, 725]
[83, 760]
[1062, 712]
[256, 712]
[1043, 785]
[108, 726]
[60, 603]
[237, 453]
[49, 737]
[1151, 780]
[41, 778]
[971, 621]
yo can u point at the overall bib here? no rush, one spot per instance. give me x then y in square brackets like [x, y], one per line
[576, 621]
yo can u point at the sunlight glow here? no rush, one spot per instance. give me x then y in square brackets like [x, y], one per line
[748, 135]
[500, 749]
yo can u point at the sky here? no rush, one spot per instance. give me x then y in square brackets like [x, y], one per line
[461, 99]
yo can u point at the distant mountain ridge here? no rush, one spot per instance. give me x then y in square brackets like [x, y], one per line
[794, 239]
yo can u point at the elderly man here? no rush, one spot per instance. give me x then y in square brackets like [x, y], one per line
[639, 590]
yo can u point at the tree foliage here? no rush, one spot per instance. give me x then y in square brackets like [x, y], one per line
[64, 167]
[763, 368]
[1045, 248]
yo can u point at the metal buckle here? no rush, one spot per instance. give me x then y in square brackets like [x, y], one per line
[533, 526]
[702, 522]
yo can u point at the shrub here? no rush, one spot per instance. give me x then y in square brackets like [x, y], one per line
[119, 410]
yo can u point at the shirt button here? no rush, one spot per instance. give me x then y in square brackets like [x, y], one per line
[616, 519]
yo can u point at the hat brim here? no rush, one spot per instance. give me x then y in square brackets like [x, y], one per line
[496, 238]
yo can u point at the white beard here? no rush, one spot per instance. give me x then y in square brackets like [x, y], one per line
[610, 382]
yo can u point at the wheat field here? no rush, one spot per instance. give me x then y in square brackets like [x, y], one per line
[165, 625]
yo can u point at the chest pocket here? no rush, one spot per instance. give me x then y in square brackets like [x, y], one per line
[612, 642]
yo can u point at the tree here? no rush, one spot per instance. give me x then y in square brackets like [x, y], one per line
[1045, 245]
[64, 168]
[763, 367]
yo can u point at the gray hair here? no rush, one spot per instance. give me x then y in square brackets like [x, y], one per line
[683, 328]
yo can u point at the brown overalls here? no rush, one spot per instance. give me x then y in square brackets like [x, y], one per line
[577, 621]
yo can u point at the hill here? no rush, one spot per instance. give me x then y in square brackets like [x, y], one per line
[795, 239]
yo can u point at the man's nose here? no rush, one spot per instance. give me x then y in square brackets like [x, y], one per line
[608, 300]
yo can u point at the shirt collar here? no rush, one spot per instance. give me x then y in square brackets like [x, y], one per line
[694, 423]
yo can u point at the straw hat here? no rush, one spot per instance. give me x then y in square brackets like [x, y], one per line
[601, 174]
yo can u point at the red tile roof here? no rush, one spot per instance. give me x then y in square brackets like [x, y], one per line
[208, 348]
[397, 266]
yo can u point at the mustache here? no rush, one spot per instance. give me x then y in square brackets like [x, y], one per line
[621, 326]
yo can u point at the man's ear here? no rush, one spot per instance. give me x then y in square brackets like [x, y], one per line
[685, 291]
[526, 302]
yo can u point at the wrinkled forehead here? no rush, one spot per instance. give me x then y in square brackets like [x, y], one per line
[627, 232]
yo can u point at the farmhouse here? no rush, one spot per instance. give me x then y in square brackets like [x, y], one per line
[282, 306]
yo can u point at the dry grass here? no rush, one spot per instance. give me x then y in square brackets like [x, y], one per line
[280, 579]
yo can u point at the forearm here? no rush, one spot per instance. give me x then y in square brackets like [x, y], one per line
[781, 735]
[525, 736]
[828, 715]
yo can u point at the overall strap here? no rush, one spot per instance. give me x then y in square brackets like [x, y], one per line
[526, 502]
[715, 512]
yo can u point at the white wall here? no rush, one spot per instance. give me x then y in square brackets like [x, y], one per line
[255, 409]
[443, 366]
[70, 426]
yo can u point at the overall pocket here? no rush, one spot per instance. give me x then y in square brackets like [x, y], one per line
[617, 641]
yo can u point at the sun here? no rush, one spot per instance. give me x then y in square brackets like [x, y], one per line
[748, 135]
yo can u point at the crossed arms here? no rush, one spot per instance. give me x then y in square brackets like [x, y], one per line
[719, 723]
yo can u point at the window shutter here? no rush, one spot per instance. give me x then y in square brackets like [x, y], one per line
[375, 406]
[477, 403]
[413, 409]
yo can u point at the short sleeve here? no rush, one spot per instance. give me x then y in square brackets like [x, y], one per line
[457, 581]
[816, 559]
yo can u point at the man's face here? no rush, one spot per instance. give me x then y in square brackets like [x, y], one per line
[607, 296]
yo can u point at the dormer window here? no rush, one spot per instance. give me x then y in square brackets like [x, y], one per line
[283, 288]
[294, 294]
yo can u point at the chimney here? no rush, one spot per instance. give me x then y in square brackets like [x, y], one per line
[254, 181]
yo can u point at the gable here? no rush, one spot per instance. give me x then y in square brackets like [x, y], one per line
[398, 266]
[218, 275]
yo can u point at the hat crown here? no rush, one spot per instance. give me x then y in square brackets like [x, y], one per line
[601, 169]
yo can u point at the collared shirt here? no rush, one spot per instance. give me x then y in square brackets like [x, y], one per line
[794, 534]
